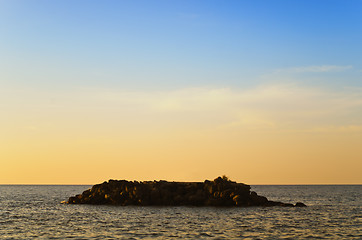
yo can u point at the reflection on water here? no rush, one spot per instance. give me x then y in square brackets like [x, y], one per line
[34, 212]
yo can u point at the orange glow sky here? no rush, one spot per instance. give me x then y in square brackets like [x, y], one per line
[262, 92]
[268, 135]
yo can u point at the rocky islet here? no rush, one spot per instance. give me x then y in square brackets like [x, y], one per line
[219, 192]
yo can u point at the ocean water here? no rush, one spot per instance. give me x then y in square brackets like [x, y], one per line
[35, 212]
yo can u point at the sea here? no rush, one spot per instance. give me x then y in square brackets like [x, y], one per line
[35, 212]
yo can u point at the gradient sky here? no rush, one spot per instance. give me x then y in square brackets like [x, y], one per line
[265, 92]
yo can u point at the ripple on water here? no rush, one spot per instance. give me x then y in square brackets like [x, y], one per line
[41, 216]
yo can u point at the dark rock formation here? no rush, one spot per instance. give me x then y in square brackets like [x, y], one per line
[300, 204]
[220, 192]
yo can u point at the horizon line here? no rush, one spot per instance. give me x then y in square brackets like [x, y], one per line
[258, 184]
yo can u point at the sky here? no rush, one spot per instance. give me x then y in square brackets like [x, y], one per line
[264, 92]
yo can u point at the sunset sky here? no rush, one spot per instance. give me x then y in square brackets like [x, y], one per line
[264, 92]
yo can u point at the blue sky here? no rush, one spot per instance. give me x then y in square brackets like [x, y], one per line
[168, 44]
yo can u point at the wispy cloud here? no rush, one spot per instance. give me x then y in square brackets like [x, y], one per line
[279, 107]
[315, 69]
[269, 106]
[339, 129]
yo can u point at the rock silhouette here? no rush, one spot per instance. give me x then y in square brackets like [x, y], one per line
[219, 192]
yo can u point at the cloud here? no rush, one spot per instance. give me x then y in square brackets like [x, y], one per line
[315, 69]
[339, 129]
[268, 106]
[287, 107]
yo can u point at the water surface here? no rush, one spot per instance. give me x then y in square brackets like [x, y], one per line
[32, 211]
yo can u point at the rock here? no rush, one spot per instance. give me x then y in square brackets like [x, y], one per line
[300, 204]
[220, 192]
